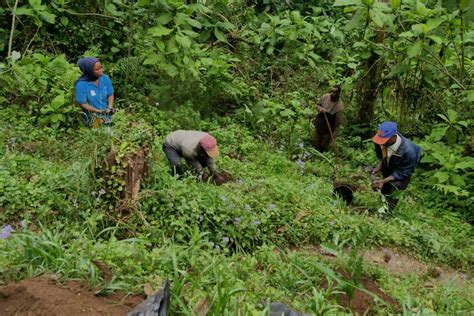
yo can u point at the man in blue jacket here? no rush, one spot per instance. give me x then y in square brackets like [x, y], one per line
[397, 159]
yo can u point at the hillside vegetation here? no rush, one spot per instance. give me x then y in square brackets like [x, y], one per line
[73, 204]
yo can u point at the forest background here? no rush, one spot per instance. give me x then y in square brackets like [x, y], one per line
[250, 72]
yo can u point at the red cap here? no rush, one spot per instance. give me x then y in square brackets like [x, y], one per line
[209, 144]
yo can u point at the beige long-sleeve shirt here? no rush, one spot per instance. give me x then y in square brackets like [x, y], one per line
[332, 108]
[186, 143]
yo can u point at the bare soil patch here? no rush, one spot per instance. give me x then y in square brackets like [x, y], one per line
[44, 296]
[364, 303]
[404, 265]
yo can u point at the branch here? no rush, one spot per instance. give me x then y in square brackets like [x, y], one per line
[10, 42]
[93, 14]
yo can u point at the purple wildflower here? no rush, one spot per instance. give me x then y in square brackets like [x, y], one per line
[247, 207]
[6, 231]
[257, 223]
[240, 182]
[225, 240]
[237, 221]
[271, 206]
[101, 192]
[301, 145]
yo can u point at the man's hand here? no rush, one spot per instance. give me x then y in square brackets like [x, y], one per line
[322, 110]
[378, 184]
[375, 172]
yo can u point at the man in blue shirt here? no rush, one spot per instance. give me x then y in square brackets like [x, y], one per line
[397, 159]
[94, 92]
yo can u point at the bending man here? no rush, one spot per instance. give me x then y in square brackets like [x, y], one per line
[397, 159]
[198, 148]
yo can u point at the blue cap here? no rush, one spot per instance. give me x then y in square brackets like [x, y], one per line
[386, 130]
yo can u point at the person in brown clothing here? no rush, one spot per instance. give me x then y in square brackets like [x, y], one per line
[328, 121]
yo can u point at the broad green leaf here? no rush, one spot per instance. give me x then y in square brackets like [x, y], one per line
[464, 123]
[190, 33]
[160, 31]
[164, 19]
[438, 133]
[396, 3]
[56, 117]
[377, 17]
[357, 20]
[287, 113]
[415, 49]
[420, 28]
[194, 23]
[421, 8]
[463, 4]
[466, 164]
[220, 36]
[35, 4]
[114, 49]
[352, 65]
[152, 60]
[470, 95]
[24, 11]
[407, 34]
[225, 25]
[441, 176]
[143, 3]
[433, 23]
[452, 115]
[112, 9]
[57, 102]
[338, 3]
[180, 18]
[160, 45]
[443, 117]
[436, 39]
[64, 21]
[171, 70]
[183, 40]
[400, 69]
[458, 180]
[48, 17]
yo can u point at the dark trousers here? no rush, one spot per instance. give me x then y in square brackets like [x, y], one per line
[390, 189]
[321, 141]
[174, 159]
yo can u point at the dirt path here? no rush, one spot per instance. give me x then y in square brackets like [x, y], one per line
[44, 296]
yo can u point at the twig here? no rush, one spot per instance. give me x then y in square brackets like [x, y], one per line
[32, 39]
[10, 41]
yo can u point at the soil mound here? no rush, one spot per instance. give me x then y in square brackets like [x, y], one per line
[44, 296]
[363, 303]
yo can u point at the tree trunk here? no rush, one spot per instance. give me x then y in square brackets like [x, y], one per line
[367, 87]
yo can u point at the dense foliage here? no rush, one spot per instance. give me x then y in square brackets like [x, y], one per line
[249, 72]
